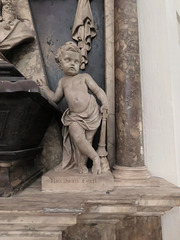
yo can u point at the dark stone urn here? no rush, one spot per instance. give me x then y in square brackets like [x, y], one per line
[24, 118]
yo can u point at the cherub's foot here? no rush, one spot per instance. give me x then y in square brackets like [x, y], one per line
[58, 168]
[83, 169]
[96, 168]
[6, 26]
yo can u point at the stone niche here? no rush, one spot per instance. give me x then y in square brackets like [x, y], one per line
[133, 209]
[58, 30]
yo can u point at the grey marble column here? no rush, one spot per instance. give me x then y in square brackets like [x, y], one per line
[128, 106]
[129, 135]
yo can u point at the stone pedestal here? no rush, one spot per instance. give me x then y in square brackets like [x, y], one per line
[125, 213]
[24, 119]
[71, 181]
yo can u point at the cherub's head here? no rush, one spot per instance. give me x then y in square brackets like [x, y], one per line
[69, 58]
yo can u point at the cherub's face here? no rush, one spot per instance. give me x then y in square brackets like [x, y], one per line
[70, 63]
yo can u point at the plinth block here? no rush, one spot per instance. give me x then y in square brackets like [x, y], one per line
[131, 173]
[73, 181]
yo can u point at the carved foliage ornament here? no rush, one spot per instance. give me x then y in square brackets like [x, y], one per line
[83, 29]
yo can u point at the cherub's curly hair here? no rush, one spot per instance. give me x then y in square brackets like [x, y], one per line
[68, 46]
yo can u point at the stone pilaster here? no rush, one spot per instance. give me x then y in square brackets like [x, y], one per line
[129, 132]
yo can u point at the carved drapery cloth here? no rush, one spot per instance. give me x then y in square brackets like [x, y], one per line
[83, 29]
[89, 120]
[12, 30]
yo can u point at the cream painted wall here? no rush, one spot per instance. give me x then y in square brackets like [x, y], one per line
[172, 8]
[159, 138]
[160, 74]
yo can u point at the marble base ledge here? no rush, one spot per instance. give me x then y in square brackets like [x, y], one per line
[36, 215]
[30, 235]
[72, 181]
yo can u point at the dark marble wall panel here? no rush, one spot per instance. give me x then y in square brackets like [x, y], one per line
[139, 228]
[129, 141]
[128, 228]
[53, 20]
[83, 232]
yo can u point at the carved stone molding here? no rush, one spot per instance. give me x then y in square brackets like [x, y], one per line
[109, 77]
[34, 214]
[133, 176]
[136, 173]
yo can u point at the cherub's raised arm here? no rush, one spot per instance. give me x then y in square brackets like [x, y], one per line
[59, 94]
[99, 92]
[55, 97]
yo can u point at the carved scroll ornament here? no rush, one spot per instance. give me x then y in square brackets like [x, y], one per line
[83, 29]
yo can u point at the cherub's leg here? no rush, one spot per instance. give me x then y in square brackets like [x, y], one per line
[82, 165]
[90, 135]
[79, 137]
[96, 160]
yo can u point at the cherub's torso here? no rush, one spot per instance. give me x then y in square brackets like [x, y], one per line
[76, 92]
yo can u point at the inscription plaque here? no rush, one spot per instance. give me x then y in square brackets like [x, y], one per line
[72, 181]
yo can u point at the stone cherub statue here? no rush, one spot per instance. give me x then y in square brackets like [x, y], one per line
[83, 116]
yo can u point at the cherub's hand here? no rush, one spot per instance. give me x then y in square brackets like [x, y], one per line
[39, 82]
[42, 86]
[104, 110]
